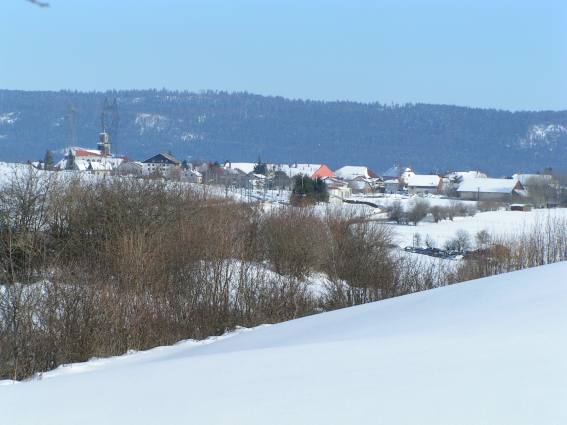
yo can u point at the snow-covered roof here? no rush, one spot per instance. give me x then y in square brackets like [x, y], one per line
[466, 175]
[245, 167]
[296, 169]
[488, 185]
[424, 180]
[82, 152]
[350, 172]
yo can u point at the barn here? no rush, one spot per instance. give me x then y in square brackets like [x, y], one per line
[502, 190]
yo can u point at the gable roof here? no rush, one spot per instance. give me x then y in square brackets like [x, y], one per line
[489, 185]
[424, 180]
[350, 172]
[162, 158]
[82, 152]
[466, 175]
[245, 167]
[293, 170]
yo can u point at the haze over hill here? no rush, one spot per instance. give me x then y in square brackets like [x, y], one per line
[241, 127]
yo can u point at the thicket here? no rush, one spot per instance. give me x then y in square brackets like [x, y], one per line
[99, 267]
[95, 268]
[543, 243]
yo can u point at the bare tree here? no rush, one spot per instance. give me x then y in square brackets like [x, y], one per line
[39, 3]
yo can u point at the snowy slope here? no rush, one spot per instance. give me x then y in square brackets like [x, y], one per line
[490, 351]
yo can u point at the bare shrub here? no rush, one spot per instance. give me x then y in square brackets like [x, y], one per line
[396, 212]
[292, 240]
[418, 211]
[489, 206]
[460, 243]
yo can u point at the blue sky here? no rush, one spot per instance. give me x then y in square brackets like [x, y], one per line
[501, 54]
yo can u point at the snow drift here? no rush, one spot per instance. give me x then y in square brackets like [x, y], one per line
[490, 351]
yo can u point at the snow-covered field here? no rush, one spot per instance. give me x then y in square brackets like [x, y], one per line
[497, 223]
[386, 200]
[490, 351]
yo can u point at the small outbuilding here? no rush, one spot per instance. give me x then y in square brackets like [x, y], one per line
[520, 207]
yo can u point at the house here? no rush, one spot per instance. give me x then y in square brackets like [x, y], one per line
[424, 184]
[391, 186]
[192, 176]
[489, 189]
[313, 171]
[351, 172]
[162, 163]
[131, 168]
[337, 189]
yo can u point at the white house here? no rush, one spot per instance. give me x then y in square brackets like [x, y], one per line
[337, 189]
[351, 172]
[391, 186]
[313, 171]
[424, 183]
[488, 189]
[162, 163]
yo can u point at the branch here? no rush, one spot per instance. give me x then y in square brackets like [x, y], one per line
[39, 3]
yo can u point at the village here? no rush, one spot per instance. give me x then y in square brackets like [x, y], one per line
[260, 181]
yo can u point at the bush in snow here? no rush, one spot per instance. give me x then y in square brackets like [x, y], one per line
[460, 243]
[418, 211]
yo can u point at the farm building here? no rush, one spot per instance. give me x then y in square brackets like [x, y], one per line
[488, 189]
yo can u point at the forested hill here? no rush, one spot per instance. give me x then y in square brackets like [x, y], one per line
[242, 127]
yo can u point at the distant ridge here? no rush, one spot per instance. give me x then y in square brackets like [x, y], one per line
[241, 126]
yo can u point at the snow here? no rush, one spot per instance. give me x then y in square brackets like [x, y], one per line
[497, 223]
[466, 175]
[351, 172]
[8, 118]
[543, 135]
[245, 167]
[487, 185]
[297, 169]
[424, 180]
[490, 351]
[154, 122]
